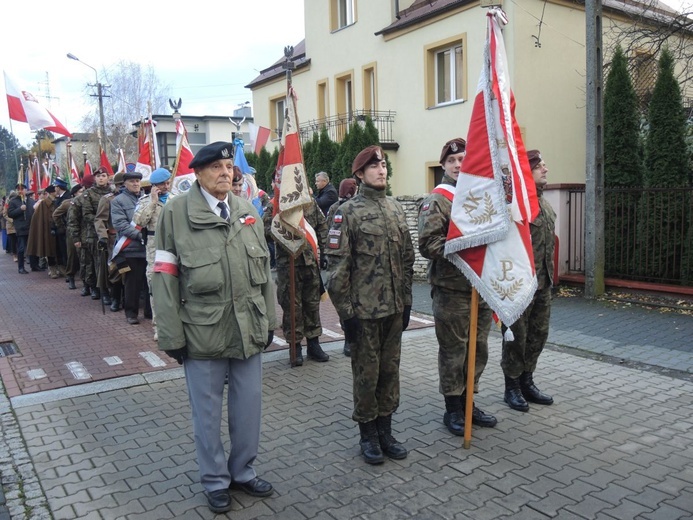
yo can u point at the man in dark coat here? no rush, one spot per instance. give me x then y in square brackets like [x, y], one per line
[21, 209]
[327, 194]
[41, 241]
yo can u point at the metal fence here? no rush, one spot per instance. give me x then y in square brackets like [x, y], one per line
[648, 234]
[338, 126]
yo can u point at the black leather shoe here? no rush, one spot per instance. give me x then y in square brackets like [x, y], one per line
[530, 391]
[219, 500]
[115, 305]
[23, 271]
[86, 291]
[95, 293]
[347, 349]
[454, 422]
[299, 356]
[483, 419]
[256, 487]
[106, 299]
[513, 395]
[133, 321]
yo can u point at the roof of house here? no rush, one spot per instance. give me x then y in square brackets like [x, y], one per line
[276, 69]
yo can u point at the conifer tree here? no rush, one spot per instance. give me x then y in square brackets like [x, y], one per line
[324, 156]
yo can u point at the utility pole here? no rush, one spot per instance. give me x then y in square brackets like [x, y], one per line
[594, 178]
[99, 94]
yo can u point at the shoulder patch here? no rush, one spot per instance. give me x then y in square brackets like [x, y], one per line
[337, 218]
[425, 207]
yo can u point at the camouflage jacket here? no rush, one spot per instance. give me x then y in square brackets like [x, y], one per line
[434, 219]
[147, 216]
[544, 242]
[316, 219]
[74, 220]
[370, 257]
[90, 204]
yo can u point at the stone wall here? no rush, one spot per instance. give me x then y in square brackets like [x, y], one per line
[411, 204]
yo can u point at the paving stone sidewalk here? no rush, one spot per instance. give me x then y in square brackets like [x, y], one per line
[617, 444]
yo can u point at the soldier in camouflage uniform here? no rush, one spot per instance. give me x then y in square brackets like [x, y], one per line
[370, 270]
[452, 293]
[520, 356]
[78, 234]
[307, 286]
[89, 201]
[106, 235]
[147, 216]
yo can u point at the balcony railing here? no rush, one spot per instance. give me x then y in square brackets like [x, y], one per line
[338, 126]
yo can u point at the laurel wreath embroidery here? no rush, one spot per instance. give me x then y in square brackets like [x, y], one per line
[285, 233]
[489, 211]
[507, 292]
[293, 196]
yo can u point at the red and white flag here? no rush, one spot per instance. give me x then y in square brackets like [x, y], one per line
[122, 167]
[74, 173]
[105, 163]
[148, 159]
[495, 198]
[258, 137]
[87, 169]
[289, 227]
[23, 106]
[45, 175]
[34, 181]
[183, 174]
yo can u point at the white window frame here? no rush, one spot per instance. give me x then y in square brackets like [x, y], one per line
[451, 61]
[345, 13]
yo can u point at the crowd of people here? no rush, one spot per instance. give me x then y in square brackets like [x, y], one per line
[206, 259]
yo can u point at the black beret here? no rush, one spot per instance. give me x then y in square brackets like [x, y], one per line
[212, 152]
[368, 155]
[132, 175]
[20, 185]
[534, 157]
[50, 189]
[453, 146]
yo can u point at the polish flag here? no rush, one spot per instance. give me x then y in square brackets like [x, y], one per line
[45, 176]
[183, 174]
[495, 198]
[105, 163]
[289, 227]
[87, 169]
[23, 106]
[148, 159]
[122, 167]
[258, 137]
[74, 173]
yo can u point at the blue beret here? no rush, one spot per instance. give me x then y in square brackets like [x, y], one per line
[60, 183]
[212, 152]
[159, 175]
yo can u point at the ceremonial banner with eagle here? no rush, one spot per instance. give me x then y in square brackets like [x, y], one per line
[289, 227]
[495, 198]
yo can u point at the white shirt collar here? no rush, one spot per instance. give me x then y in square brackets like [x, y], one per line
[213, 201]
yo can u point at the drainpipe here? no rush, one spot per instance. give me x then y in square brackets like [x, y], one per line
[397, 9]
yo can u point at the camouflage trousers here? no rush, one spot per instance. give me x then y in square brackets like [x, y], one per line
[306, 299]
[375, 367]
[531, 332]
[451, 313]
[88, 263]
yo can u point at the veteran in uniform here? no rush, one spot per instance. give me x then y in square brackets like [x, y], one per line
[214, 303]
[519, 357]
[147, 216]
[106, 234]
[370, 270]
[78, 234]
[452, 293]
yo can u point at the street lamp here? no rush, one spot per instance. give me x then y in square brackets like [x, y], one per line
[99, 90]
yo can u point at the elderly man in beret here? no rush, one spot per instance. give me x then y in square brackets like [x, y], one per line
[370, 271]
[452, 293]
[520, 356]
[129, 245]
[214, 304]
[147, 216]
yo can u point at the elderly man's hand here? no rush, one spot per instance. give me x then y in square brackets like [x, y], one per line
[270, 337]
[179, 354]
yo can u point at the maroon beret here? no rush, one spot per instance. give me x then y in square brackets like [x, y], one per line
[237, 174]
[368, 155]
[88, 180]
[534, 157]
[456, 145]
[347, 188]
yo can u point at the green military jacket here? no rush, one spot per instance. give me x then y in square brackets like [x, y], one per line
[211, 285]
[370, 257]
[544, 242]
[90, 204]
[74, 221]
[434, 219]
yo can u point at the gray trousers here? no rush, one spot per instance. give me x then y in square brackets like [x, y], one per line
[205, 381]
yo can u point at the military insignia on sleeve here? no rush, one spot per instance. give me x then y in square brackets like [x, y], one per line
[338, 218]
[425, 207]
[333, 238]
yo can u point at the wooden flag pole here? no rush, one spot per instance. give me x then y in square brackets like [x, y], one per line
[471, 369]
[292, 299]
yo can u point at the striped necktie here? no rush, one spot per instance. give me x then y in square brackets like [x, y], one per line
[224, 212]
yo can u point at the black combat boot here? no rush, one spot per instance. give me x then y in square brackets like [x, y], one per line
[299, 356]
[530, 391]
[388, 444]
[95, 293]
[86, 290]
[454, 417]
[370, 445]
[115, 304]
[513, 395]
[479, 417]
[106, 298]
[315, 351]
[347, 348]
[71, 283]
